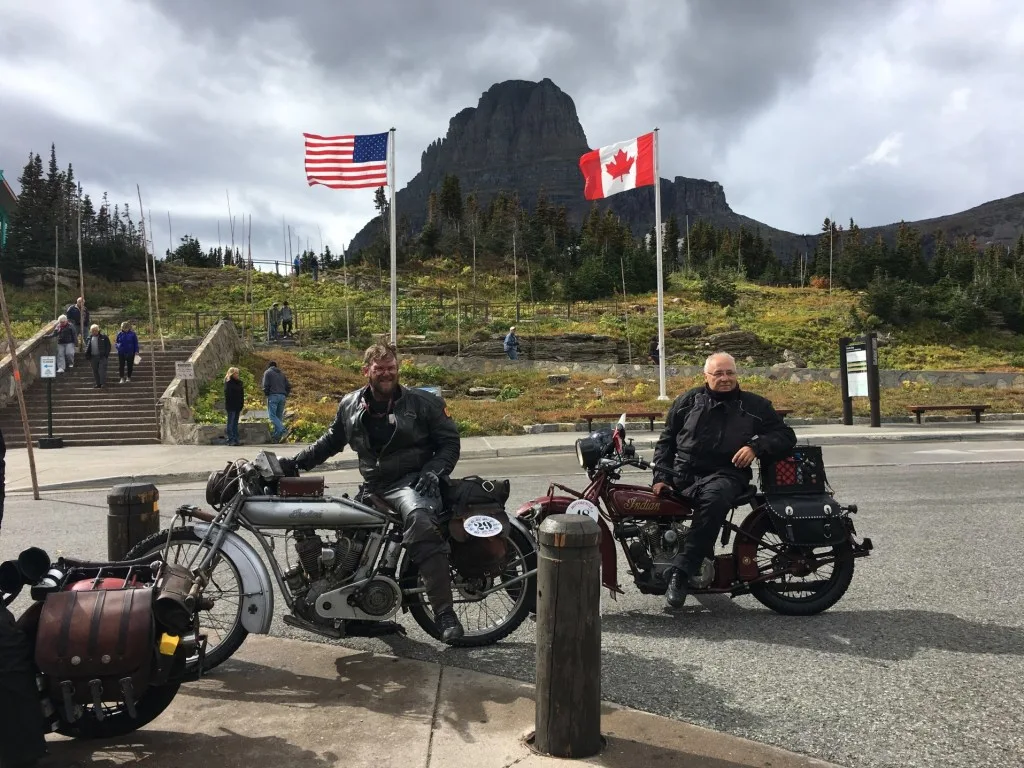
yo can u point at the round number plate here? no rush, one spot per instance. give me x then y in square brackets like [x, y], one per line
[583, 507]
[482, 526]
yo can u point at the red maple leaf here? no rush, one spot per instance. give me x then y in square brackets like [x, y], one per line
[620, 165]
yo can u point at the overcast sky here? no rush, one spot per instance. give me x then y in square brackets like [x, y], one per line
[878, 110]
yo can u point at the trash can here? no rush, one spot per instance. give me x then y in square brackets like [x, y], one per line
[133, 514]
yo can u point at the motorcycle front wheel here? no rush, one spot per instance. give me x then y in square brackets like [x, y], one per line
[801, 594]
[485, 619]
[221, 623]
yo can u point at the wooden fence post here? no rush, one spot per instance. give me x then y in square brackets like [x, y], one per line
[568, 705]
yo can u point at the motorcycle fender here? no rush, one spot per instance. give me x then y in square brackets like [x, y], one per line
[556, 505]
[745, 550]
[257, 588]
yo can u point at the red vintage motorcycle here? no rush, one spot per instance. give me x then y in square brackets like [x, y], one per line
[794, 552]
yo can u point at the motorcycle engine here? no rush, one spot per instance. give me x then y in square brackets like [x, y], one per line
[656, 547]
[322, 566]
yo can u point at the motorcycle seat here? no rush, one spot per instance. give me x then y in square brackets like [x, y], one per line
[746, 497]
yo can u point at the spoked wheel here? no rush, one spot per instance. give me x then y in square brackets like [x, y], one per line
[221, 622]
[486, 619]
[814, 586]
[116, 719]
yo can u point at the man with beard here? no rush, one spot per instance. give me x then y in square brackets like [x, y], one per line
[406, 443]
[712, 435]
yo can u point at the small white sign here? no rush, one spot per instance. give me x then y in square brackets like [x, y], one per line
[48, 367]
[482, 526]
[583, 507]
[857, 371]
[184, 371]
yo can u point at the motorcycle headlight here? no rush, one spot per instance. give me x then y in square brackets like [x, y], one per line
[588, 451]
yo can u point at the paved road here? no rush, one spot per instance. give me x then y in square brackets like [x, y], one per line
[919, 665]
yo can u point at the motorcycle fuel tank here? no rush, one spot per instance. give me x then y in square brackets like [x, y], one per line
[639, 501]
[276, 512]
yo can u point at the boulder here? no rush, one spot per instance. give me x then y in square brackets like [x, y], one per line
[558, 378]
[792, 357]
[687, 332]
[610, 382]
[483, 392]
[736, 343]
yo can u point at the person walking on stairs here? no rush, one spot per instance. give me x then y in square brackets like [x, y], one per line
[127, 344]
[97, 351]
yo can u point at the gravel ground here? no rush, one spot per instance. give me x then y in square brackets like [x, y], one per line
[919, 665]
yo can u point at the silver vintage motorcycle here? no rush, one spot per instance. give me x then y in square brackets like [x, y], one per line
[351, 573]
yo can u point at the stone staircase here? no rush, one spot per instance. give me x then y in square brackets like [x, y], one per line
[117, 414]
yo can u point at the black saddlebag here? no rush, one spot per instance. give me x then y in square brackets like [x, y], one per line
[475, 556]
[807, 519]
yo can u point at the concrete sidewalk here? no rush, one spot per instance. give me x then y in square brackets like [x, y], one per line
[283, 702]
[103, 466]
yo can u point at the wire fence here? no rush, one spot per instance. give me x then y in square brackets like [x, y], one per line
[363, 317]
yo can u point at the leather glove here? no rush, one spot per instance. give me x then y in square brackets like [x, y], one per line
[428, 484]
[289, 467]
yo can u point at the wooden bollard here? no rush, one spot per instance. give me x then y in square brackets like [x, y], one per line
[568, 715]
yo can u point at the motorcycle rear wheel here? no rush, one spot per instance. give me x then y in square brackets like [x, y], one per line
[820, 597]
[117, 721]
[521, 596]
[223, 635]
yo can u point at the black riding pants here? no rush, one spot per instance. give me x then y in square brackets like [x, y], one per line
[422, 537]
[21, 717]
[712, 497]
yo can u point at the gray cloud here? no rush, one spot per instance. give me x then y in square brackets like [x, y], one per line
[783, 102]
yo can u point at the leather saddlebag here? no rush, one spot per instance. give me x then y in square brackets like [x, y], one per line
[97, 645]
[808, 520]
[311, 485]
[477, 556]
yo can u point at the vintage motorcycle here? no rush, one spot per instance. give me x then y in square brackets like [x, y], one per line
[794, 552]
[351, 574]
[109, 641]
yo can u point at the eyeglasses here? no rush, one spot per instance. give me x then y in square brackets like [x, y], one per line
[721, 374]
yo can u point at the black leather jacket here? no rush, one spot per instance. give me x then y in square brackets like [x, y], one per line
[702, 434]
[426, 438]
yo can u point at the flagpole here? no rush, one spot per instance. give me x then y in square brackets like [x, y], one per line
[394, 270]
[661, 285]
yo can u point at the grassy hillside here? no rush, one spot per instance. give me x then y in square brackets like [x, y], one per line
[808, 320]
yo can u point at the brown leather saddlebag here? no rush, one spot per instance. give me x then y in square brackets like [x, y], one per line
[97, 645]
[311, 485]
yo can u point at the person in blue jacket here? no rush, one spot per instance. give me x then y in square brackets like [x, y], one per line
[127, 344]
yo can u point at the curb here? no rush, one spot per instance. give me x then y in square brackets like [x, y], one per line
[647, 443]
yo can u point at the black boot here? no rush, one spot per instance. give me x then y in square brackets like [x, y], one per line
[437, 579]
[677, 590]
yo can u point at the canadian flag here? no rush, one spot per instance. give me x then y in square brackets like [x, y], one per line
[618, 167]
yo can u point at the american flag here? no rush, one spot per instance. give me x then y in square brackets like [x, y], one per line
[347, 162]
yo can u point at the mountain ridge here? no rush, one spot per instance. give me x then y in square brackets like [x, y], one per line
[525, 137]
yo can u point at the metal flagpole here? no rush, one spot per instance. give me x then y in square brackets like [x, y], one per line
[661, 285]
[56, 260]
[156, 289]
[394, 258]
[344, 279]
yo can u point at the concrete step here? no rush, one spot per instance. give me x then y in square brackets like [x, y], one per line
[98, 422]
[88, 441]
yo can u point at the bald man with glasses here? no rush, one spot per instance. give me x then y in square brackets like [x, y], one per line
[712, 435]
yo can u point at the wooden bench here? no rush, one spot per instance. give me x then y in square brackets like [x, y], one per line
[592, 417]
[977, 410]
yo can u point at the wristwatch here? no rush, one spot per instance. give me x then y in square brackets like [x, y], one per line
[754, 443]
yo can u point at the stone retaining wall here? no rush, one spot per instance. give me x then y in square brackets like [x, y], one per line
[217, 350]
[43, 343]
[785, 371]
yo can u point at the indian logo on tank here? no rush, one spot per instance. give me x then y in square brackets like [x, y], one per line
[640, 504]
[306, 514]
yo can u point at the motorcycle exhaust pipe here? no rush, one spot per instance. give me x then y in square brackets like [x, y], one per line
[172, 606]
[33, 563]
